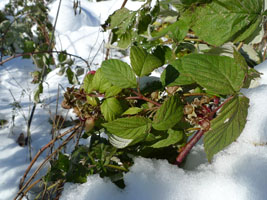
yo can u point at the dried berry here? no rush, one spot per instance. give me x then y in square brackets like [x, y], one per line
[155, 95]
[89, 124]
[172, 90]
[205, 124]
[204, 100]
[65, 105]
[188, 109]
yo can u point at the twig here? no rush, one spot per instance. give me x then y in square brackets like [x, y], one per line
[142, 97]
[21, 192]
[29, 129]
[43, 149]
[42, 52]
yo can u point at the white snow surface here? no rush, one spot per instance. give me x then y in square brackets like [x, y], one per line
[237, 173]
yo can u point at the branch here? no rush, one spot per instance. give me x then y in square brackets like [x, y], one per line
[189, 146]
[42, 52]
[21, 192]
[43, 149]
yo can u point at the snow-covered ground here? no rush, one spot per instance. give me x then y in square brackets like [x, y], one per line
[237, 173]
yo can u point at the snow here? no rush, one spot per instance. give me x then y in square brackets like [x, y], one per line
[237, 173]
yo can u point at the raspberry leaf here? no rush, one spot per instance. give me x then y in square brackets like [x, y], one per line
[119, 73]
[169, 114]
[227, 126]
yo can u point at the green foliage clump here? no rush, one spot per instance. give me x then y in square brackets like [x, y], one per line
[198, 92]
[126, 112]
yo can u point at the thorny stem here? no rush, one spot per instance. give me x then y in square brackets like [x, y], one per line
[21, 192]
[189, 146]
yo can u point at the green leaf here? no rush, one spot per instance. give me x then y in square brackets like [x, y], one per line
[143, 22]
[183, 79]
[132, 111]
[118, 73]
[169, 114]
[177, 30]
[252, 75]
[169, 75]
[111, 109]
[251, 32]
[87, 83]
[134, 129]
[227, 20]
[164, 53]
[112, 91]
[227, 126]
[241, 61]
[125, 40]
[121, 19]
[142, 62]
[29, 46]
[62, 56]
[99, 82]
[189, 2]
[94, 101]
[218, 74]
[72, 77]
[172, 138]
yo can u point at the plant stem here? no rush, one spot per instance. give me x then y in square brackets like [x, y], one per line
[195, 94]
[189, 146]
[142, 97]
[21, 192]
[211, 114]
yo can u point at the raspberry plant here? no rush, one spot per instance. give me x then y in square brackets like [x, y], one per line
[198, 92]
[127, 112]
